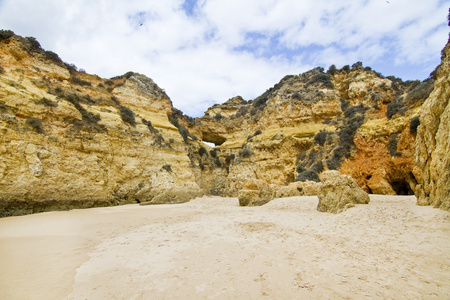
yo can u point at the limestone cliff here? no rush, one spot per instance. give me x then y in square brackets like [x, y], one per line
[352, 119]
[432, 145]
[70, 139]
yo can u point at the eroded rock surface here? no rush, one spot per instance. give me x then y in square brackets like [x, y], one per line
[255, 192]
[339, 192]
[433, 141]
[73, 140]
[295, 189]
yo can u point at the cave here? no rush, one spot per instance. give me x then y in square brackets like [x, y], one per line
[402, 188]
[213, 138]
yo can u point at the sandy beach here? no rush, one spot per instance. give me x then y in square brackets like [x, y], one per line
[210, 248]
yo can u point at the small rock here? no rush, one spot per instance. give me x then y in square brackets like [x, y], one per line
[255, 192]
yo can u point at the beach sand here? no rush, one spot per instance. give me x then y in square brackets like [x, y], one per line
[210, 248]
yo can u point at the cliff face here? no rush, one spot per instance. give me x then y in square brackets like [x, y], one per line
[432, 146]
[353, 120]
[70, 139]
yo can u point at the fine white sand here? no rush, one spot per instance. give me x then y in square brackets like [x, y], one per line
[210, 248]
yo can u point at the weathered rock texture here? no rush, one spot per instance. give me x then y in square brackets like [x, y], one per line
[339, 192]
[255, 192]
[69, 139]
[352, 119]
[433, 141]
[295, 189]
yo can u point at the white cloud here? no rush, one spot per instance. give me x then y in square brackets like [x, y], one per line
[230, 47]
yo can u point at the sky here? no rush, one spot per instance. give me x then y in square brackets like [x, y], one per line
[203, 52]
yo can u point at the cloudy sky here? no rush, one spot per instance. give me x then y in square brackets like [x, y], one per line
[205, 51]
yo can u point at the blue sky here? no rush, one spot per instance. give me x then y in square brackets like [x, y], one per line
[206, 51]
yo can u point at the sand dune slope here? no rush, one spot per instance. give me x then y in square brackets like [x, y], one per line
[210, 248]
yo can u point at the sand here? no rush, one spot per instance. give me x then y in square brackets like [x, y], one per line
[210, 248]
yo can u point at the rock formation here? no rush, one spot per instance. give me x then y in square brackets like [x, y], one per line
[255, 192]
[433, 141]
[295, 189]
[352, 119]
[70, 139]
[339, 192]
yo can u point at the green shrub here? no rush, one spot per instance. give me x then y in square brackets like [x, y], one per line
[5, 34]
[344, 104]
[300, 169]
[323, 79]
[79, 81]
[127, 115]
[414, 123]
[34, 44]
[317, 167]
[218, 117]
[54, 57]
[393, 141]
[257, 132]
[332, 70]
[2, 71]
[184, 133]
[218, 162]
[321, 137]
[420, 92]
[87, 116]
[153, 130]
[245, 152]
[308, 175]
[47, 102]
[346, 68]
[202, 151]
[300, 157]
[357, 65]
[229, 159]
[354, 110]
[243, 110]
[36, 124]
[71, 67]
[396, 107]
[213, 153]
[333, 164]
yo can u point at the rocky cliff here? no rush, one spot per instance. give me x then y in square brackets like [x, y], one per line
[70, 139]
[352, 119]
[432, 145]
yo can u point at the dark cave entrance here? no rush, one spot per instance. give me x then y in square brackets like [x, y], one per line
[402, 188]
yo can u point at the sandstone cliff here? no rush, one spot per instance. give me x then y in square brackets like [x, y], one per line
[351, 119]
[432, 145]
[70, 139]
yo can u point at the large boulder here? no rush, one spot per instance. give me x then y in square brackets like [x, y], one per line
[174, 196]
[339, 192]
[433, 142]
[294, 189]
[255, 192]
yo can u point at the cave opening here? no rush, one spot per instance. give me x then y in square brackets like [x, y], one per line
[402, 188]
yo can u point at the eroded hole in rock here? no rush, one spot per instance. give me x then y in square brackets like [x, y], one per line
[402, 188]
[213, 138]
